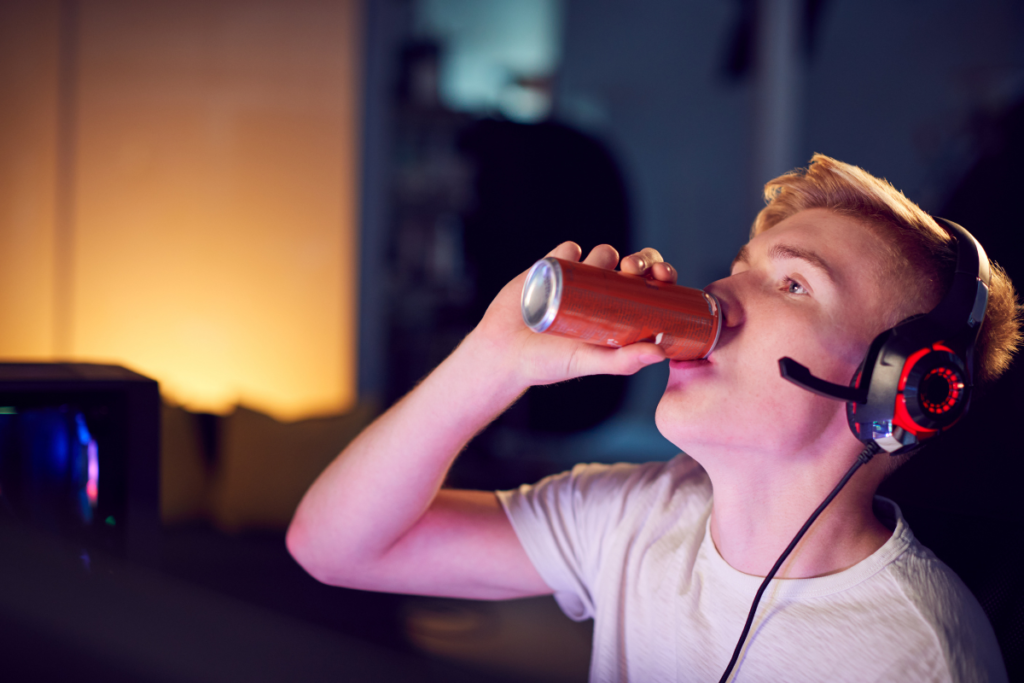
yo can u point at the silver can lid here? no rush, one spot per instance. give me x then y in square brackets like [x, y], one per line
[542, 293]
[715, 309]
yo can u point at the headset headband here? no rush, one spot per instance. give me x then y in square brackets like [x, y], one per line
[967, 297]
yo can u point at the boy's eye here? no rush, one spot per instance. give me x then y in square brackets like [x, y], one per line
[794, 287]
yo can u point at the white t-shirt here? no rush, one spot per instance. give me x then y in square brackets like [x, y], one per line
[629, 546]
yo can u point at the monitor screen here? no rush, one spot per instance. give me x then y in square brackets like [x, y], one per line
[79, 454]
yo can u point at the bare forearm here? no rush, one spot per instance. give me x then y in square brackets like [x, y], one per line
[375, 520]
[385, 481]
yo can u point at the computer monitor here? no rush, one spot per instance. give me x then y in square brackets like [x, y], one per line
[79, 455]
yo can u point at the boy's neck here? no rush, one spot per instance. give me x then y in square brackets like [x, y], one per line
[757, 513]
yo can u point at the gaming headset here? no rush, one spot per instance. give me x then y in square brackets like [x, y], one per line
[915, 382]
[917, 377]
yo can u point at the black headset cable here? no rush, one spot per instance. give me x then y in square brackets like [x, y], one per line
[864, 457]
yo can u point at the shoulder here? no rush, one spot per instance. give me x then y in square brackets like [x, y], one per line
[620, 486]
[948, 613]
[601, 511]
[581, 525]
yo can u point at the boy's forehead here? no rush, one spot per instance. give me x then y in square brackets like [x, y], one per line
[831, 243]
[782, 250]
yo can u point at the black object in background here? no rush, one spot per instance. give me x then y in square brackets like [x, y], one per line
[80, 455]
[536, 186]
[49, 468]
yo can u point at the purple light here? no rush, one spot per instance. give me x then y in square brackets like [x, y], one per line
[92, 487]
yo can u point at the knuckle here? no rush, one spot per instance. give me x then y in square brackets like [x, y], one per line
[651, 255]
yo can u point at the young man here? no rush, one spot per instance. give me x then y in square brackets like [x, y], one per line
[666, 557]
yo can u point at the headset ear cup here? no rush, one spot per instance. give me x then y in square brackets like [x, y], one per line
[935, 390]
[851, 406]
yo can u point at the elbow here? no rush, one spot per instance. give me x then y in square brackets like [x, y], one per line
[301, 545]
[296, 541]
[315, 553]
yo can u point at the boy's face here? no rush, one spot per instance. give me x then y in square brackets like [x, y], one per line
[809, 288]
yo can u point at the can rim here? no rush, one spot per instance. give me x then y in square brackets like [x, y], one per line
[716, 310]
[550, 269]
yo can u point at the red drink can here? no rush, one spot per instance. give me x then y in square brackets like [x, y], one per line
[610, 308]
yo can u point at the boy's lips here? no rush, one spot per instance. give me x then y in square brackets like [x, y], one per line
[681, 364]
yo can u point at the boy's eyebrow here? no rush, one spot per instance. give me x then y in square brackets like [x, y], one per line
[741, 257]
[785, 251]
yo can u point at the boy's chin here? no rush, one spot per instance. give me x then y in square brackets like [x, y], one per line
[673, 421]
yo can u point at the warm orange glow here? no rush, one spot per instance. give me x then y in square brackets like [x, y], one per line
[215, 200]
[28, 156]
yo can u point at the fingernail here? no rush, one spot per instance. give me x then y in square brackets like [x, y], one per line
[649, 358]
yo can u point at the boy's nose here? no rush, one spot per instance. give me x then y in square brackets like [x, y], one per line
[726, 292]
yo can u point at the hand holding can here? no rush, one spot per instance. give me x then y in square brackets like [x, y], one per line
[610, 308]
